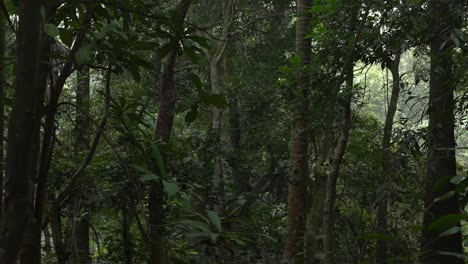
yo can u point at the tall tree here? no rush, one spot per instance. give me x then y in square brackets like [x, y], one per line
[329, 237]
[387, 164]
[214, 57]
[80, 231]
[298, 170]
[3, 32]
[441, 161]
[23, 132]
[167, 102]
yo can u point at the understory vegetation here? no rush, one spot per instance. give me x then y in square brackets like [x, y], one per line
[233, 131]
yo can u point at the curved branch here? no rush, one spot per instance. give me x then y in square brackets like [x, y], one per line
[64, 196]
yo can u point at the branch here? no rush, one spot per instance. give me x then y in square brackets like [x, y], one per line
[63, 197]
[67, 68]
[7, 16]
[245, 25]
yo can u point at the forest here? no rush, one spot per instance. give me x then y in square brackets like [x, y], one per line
[234, 131]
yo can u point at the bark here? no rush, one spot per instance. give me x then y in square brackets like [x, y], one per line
[47, 242]
[32, 251]
[441, 161]
[240, 179]
[80, 239]
[3, 32]
[382, 210]
[80, 234]
[126, 235]
[61, 251]
[214, 59]
[298, 168]
[323, 174]
[330, 196]
[163, 130]
[23, 133]
[314, 244]
[65, 196]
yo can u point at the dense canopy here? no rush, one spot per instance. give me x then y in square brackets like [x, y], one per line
[234, 131]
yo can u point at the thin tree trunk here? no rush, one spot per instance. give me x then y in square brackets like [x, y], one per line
[80, 234]
[23, 133]
[441, 161]
[382, 210]
[127, 236]
[322, 178]
[3, 32]
[240, 179]
[214, 59]
[329, 240]
[167, 101]
[47, 242]
[58, 77]
[298, 170]
[218, 176]
[57, 236]
[65, 196]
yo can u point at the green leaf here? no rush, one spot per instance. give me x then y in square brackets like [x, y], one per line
[455, 39]
[194, 224]
[375, 236]
[83, 55]
[146, 174]
[66, 36]
[239, 241]
[148, 177]
[189, 51]
[51, 30]
[211, 235]
[203, 42]
[171, 188]
[447, 221]
[450, 231]
[216, 100]
[159, 160]
[457, 179]
[458, 255]
[143, 45]
[197, 82]
[165, 49]
[192, 114]
[445, 196]
[214, 218]
[441, 183]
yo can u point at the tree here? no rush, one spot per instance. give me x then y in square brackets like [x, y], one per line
[162, 134]
[387, 166]
[81, 226]
[23, 133]
[298, 170]
[441, 161]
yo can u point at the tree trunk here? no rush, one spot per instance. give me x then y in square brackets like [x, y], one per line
[167, 101]
[127, 236]
[3, 80]
[387, 167]
[329, 240]
[80, 234]
[218, 176]
[214, 59]
[441, 161]
[324, 188]
[298, 170]
[240, 180]
[32, 250]
[23, 133]
[57, 236]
